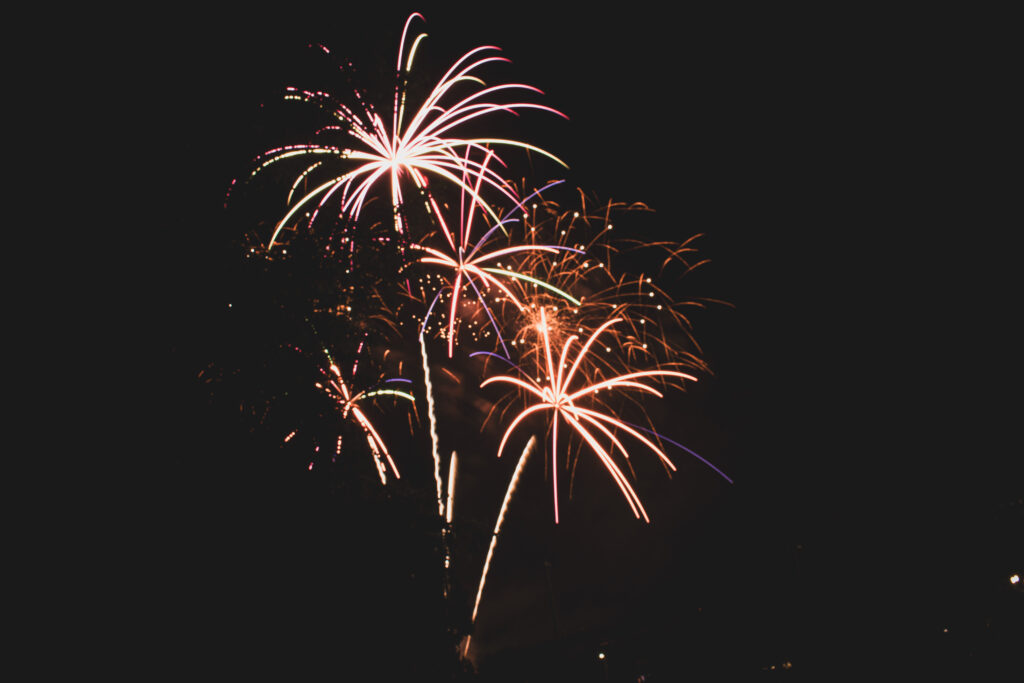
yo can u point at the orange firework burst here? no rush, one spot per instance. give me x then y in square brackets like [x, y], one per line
[655, 327]
[570, 405]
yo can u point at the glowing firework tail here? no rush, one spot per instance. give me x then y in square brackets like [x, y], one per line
[433, 425]
[501, 518]
[448, 509]
[497, 530]
[446, 530]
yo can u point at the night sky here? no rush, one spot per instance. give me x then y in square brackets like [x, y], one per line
[867, 528]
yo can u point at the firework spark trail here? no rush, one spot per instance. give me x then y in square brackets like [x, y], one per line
[679, 445]
[433, 425]
[376, 459]
[449, 508]
[497, 527]
[446, 530]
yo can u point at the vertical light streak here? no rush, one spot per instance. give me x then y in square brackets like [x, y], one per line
[453, 466]
[554, 461]
[377, 461]
[399, 109]
[433, 425]
[446, 529]
[497, 526]
[556, 378]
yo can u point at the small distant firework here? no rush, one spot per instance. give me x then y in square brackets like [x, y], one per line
[432, 417]
[348, 401]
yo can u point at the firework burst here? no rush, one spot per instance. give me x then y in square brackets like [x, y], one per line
[591, 344]
[472, 266]
[413, 147]
[350, 400]
[655, 327]
[576, 408]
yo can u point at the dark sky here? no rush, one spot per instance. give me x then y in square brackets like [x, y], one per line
[860, 525]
